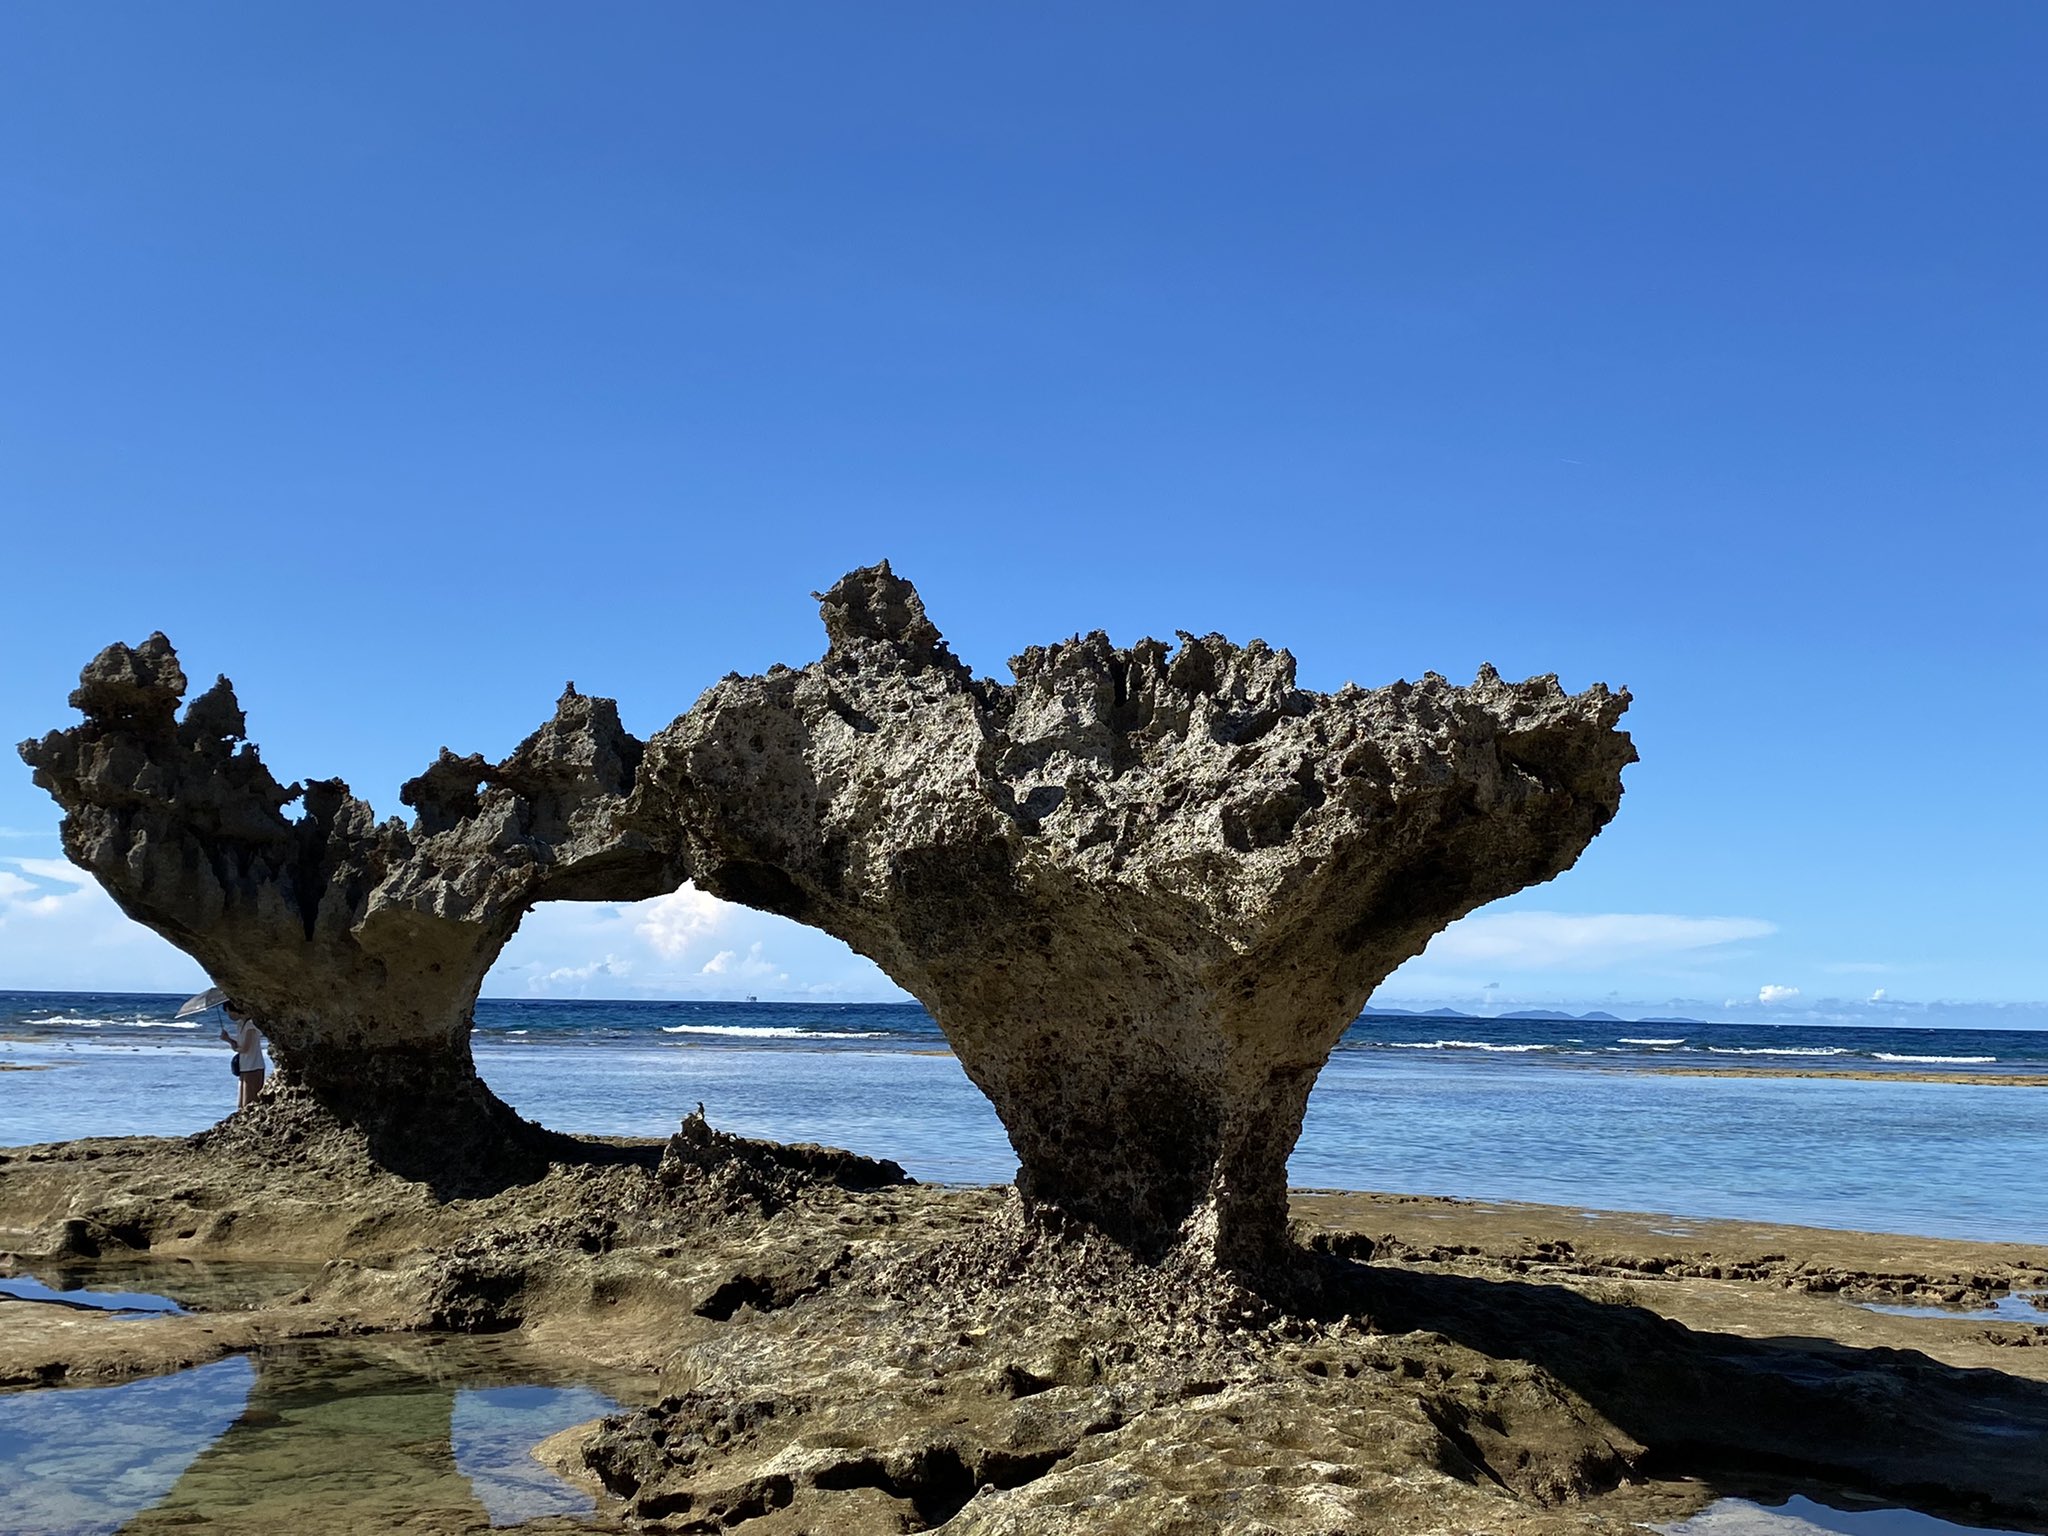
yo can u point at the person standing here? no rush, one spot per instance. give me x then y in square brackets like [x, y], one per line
[250, 1065]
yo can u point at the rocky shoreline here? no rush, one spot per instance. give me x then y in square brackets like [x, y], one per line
[830, 1348]
[1143, 891]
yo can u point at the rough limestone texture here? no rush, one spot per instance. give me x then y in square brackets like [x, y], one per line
[1143, 890]
[358, 945]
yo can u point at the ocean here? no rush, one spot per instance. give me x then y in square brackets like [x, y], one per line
[1571, 1112]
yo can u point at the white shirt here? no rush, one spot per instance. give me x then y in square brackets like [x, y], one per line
[249, 1049]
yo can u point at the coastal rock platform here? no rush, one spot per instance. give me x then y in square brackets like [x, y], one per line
[829, 1348]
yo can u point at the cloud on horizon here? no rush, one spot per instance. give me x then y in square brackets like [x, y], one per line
[59, 931]
[1582, 941]
[687, 944]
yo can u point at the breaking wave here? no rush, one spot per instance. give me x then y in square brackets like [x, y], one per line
[1946, 1061]
[83, 1022]
[773, 1032]
[1462, 1045]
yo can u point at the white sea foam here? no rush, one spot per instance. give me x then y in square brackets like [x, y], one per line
[773, 1032]
[1778, 1050]
[1946, 1061]
[138, 1022]
[1632, 1040]
[1461, 1045]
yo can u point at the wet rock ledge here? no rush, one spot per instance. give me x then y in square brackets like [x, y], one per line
[827, 1350]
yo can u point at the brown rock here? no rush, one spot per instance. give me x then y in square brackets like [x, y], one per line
[358, 945]
[1142, 890]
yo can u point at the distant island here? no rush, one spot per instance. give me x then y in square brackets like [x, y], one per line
[1552, 1015]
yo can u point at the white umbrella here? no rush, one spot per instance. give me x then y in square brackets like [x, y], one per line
[212, 997]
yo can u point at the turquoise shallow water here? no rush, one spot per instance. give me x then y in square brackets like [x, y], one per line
[1561, 1112]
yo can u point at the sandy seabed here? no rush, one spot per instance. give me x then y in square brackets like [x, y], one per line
[822, 1349]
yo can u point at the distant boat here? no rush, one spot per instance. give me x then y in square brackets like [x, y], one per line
[752, 999]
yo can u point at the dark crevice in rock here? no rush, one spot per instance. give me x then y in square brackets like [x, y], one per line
[938, 1480]
[768, 1290]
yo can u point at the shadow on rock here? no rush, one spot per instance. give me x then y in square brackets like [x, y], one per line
[460, 1140]
[1888, 1421]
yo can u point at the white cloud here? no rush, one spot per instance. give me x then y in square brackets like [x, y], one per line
[1877, 996]
[753, 966]
[1588, 941]
[685, 944]
[75, 890]
[1772, 993]
[672, 923]
[59, 931]
[62, 871]
[610, 965]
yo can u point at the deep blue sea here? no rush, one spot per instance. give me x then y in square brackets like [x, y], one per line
[1560, 1111]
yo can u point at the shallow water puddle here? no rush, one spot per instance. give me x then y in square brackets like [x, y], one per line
[85, 1459]
[156, 1285]
[493, 1432]
[430, 1435]
[1802, 1516]
[29, 1288]
[2012, 1307]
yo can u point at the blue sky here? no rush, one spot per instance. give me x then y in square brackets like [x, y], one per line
[402, 362]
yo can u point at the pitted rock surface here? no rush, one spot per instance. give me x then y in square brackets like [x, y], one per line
[1142, 890]
[358, 945]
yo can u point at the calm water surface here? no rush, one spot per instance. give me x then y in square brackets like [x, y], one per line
[1560, 1112]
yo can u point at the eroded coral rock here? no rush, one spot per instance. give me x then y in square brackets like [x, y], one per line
[1142, 890]
[359, 945]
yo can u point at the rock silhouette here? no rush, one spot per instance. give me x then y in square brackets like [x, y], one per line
[1142, 890]
[359, 945]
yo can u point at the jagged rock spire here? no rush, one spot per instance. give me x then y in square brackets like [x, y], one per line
[1142, 890]
[359, 945]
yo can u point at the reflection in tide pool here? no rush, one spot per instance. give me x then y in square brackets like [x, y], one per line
[86, 1460]
[494, 1431]
[29, 1288]
[2012, 1307]
[1801, 1516]
[359, 1435]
